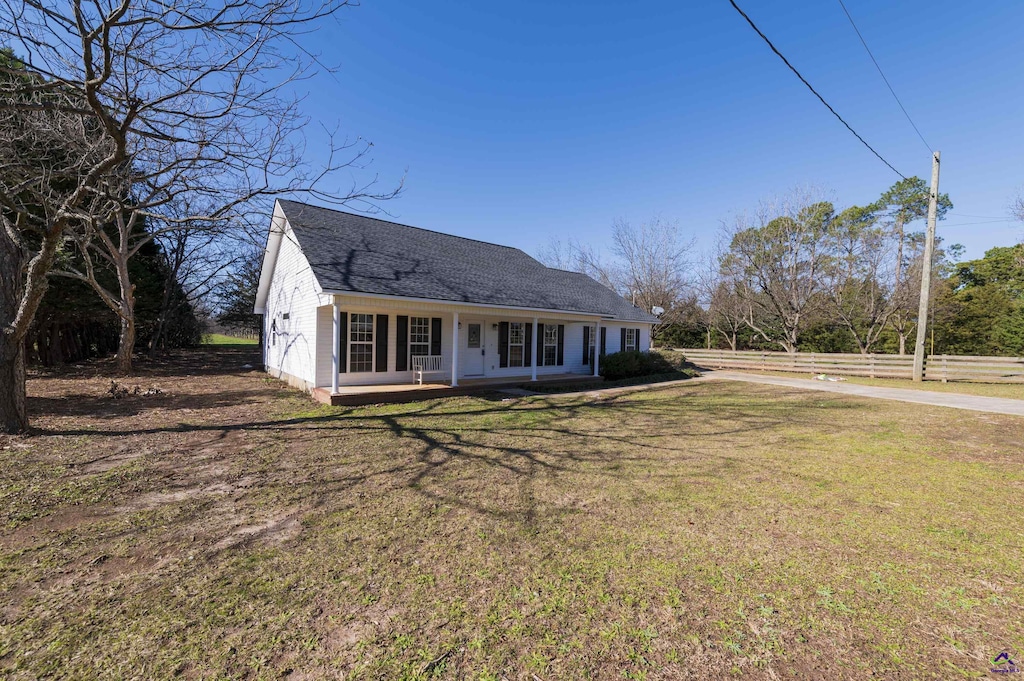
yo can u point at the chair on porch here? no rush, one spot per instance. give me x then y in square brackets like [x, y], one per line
[425, 364]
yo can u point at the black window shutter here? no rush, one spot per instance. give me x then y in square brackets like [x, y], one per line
[402, 343]
[503, 344]
[343, 350]
[586, 345]
[604, 340]
[527, 344]
[435, 336]
[637, 331]
[382, 342]
[561, 344]
[622, 341]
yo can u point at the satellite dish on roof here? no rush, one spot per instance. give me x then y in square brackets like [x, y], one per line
[656, 311]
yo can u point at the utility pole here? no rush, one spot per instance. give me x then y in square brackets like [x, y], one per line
[926, 272]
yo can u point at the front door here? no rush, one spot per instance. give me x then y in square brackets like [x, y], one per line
[473, 351]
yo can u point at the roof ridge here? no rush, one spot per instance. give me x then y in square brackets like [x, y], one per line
[402, 224]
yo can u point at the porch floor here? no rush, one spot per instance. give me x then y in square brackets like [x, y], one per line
[355, 395]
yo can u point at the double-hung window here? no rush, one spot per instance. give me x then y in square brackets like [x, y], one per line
[419, 336]
[632, 342]
[516, 341]
[591, 344]
[550, 345]
[360, 343]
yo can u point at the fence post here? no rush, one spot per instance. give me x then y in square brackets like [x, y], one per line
[945, 378]
[871, 365]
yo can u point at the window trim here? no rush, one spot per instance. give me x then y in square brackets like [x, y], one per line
[430, 337]
[371, 342]
[545, 345]
[521, 345]
[632, 346]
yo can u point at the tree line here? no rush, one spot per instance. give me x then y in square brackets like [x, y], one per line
[801, 274]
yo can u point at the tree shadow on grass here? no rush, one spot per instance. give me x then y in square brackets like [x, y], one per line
[515, 441]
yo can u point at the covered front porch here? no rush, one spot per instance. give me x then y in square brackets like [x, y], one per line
[391, 393]
[375, 347]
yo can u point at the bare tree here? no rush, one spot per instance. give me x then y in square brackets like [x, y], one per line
[51, 157]
[725, 307]
[162, 100]
[196, 259]
[655, 263]
[575, 256]
[778, 256]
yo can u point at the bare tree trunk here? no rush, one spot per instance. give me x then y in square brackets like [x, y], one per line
[161, 321]
[13, 412]
[21, 290]
[125, 346]
[126, 341]
[903, 342]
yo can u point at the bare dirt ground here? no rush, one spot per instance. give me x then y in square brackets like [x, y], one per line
[227, 527]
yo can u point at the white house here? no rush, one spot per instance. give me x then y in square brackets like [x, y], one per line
[349, 300]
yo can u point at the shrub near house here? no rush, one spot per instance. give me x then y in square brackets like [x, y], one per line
[633, 363]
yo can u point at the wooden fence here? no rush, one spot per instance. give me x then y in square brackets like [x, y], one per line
[937, 367]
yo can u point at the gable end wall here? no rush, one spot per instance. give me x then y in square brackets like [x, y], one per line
[290, 344]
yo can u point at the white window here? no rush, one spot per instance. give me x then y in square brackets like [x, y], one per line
[360, 343]
[632, 341]
[516, 341]
[419, 336]
[550, 345]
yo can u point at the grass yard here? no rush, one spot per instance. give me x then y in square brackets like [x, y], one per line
[221, 339]
[1010, 390]
[230, 528]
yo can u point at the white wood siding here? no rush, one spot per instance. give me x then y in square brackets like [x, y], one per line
[614, 343]
[488, 317]
[291, 342]
[299, 349]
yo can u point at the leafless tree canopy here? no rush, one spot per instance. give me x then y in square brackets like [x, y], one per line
[150, 105]
[651, 265]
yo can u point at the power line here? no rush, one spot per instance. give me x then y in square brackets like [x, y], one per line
[811, 88]
[968, 224]
[984, 217]
[887, 84]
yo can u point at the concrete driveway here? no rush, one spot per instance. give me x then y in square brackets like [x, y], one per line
[994, 405]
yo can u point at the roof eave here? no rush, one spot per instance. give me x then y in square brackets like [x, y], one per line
[361, 294]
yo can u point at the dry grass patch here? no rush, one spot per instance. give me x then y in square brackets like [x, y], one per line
[230, 529]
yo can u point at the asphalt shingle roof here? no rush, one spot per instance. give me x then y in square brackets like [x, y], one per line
[362, 254]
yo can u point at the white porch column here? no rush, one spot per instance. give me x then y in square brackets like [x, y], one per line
[533, 350]
[335, 359]
[597, 346]
[455, 349]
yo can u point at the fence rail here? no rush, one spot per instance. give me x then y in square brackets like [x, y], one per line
[937, 367]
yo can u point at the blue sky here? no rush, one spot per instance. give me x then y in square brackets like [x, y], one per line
[522, 121]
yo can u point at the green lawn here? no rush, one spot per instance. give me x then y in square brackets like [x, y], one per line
[221, 339]
[231, 529]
